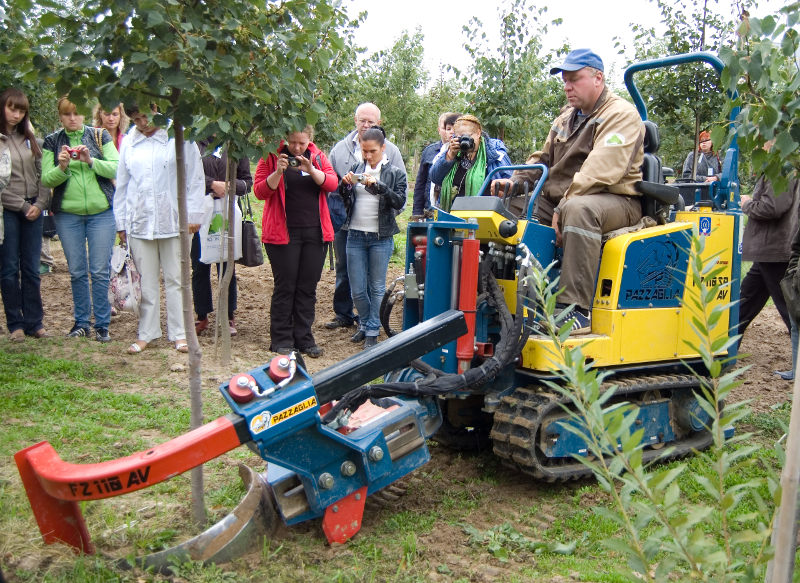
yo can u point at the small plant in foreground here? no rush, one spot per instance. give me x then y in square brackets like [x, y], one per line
[664, 536]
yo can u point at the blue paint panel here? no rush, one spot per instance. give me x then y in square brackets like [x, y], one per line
[541, 241]
[653, 417]
[655, 272]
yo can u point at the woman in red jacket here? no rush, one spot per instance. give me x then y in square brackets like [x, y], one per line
[294, 229]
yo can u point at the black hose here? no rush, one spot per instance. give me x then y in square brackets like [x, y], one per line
[437, 382]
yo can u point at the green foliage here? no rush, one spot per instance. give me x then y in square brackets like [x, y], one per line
[211, 67]
[509, 87]
[719, 532]
[688, 99]
[764, 72]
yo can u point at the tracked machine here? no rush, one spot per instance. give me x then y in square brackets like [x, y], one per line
[465, 366]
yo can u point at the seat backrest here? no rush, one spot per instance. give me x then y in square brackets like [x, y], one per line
[651, 172]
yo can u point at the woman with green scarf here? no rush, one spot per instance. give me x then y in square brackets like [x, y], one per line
[469, 158]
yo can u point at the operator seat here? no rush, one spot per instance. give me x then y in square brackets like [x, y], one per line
[656, 196]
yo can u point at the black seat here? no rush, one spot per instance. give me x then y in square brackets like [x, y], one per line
[657, 196]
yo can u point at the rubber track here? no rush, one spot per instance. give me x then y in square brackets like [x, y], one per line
[518, 419]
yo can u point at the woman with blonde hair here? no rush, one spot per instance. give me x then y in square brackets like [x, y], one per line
[79, 164]
[470, 156]
[115, 122]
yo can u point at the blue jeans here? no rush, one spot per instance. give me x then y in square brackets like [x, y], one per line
[97, 232]
[20, 285]
[367, 262]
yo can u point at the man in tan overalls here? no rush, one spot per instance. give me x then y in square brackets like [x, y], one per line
[594, 155]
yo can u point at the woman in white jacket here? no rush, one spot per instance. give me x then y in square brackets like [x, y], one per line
[146, 212]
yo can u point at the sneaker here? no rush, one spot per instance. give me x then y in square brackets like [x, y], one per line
[78, 331]
[581, 323]
[312, 351]
[338, 323]
[102, 335]
[358, 336]
[370, 341]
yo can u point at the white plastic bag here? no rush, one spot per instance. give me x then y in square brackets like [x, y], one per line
[124, 287]
[212, 231]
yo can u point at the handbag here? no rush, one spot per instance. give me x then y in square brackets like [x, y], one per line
[252, 250]
[790, 286]
[125, 286]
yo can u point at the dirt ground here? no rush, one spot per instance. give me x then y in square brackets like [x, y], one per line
[766, 341]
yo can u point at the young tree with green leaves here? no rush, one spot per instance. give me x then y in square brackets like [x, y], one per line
[684, 100]
[238, 71]
[508, 87]
[763, 71]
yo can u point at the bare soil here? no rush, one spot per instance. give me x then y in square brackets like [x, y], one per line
[766, 342]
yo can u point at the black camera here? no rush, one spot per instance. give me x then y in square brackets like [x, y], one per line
[293, 161]
[465, 143]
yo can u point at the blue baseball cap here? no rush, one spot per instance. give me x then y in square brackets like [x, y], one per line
[577, 60]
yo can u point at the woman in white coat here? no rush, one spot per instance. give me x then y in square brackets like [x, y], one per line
[146, 212]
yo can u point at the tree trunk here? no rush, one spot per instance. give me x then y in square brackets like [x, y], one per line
[784, 531]
[195, 355]
[222, 327]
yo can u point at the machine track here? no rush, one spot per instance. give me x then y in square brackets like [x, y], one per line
[518, 421]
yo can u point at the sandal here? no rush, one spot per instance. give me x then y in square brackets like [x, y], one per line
[181, 346]
[137, 347]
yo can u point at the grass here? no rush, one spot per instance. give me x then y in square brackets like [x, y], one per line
[464, 517]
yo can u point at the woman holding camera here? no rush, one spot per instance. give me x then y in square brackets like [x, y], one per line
[79, 164]
[296, 224]
[23, 201]
[374, 192]
[471, 156]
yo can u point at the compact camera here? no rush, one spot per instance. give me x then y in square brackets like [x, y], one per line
[74, 153]
[360, 177]
[465, 143]
[293, 161]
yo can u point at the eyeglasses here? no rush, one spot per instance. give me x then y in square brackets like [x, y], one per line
[366, 122]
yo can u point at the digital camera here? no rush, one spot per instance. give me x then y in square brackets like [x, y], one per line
[465, 143]
[360, 177]
[74, 153]
[293, 161]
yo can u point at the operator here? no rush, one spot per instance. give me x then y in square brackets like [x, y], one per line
[594, 154]
[345, 154]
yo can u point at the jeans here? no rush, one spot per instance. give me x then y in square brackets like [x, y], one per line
[201, 284]
[98, 232]
[20, 285]
[296, 268]
[367, 262]
[342, 300]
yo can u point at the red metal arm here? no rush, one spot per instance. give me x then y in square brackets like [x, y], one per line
[54, 486]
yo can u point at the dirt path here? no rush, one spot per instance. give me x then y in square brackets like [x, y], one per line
[766, 341]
